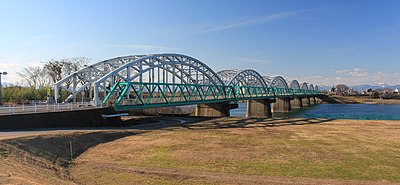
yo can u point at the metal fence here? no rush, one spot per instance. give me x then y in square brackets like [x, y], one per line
[41, 108]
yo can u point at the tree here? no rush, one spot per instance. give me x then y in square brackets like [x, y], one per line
[57, 69]
[342, 89]
[42, 77]
[333, 89]
[54, 70]
[34, 76]
[71, 65]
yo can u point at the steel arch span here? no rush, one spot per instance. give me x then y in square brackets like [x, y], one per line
[280, 86]
[296, 88]
[143, 81]
[246, 83]
[246, 77]
[304, 86]
[267, 79]
[280, 82]
[83, 79]
[294, 84]
[311, 87]
[161, 79]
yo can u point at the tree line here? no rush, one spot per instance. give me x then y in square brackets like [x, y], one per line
[39, 80]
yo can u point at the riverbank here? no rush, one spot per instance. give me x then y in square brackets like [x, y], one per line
[381, 101]
[336, 99]
[223, 150]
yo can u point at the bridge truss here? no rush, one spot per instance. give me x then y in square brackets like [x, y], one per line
[144, 81]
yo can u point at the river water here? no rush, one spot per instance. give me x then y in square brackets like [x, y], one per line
[336, 111]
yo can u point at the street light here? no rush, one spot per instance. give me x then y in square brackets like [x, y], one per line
[1, 98]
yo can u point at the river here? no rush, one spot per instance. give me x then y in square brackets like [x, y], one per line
[336, 111]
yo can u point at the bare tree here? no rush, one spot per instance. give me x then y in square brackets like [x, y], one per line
[54, 69]
[342, 89]
[34, 76]
[71, 65]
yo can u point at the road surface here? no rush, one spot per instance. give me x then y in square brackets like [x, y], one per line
[154, 123]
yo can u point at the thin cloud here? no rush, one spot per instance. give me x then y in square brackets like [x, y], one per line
[8, 65]
[254, 60]
[34, 40]
[343, 71]
[378, 77]
[143, 47]
[356, 72]
[252, 21]
[12, 68]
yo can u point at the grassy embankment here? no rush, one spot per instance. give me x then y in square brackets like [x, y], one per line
[226, 150]
[357, 100]
[45, 159]
[250, 151]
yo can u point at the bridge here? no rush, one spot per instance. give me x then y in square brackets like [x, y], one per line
[164, 80]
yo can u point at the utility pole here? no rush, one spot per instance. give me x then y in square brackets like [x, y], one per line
[1, 97]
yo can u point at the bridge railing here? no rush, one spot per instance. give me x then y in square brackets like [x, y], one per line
[57, 107]
[146, 95]
[298, 92]
[248, 92]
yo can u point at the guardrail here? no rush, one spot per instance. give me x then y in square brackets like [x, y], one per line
[40, 108]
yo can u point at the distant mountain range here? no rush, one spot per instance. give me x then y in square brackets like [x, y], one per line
[363, 87]
[374, 86]
[324, 87]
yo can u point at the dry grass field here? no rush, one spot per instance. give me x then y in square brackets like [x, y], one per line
[214, 151]
[358, 100]
[249, 151]
[45, 158]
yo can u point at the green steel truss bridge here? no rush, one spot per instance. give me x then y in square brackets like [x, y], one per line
[157, 80]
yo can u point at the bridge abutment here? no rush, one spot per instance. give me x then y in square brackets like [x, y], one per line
[214, 109]
[259, 108]
[282, 105]
[296, 103]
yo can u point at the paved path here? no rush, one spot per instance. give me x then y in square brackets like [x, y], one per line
[60, 107]
[155, 124]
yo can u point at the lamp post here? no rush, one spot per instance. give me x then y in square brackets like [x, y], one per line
[1, 98]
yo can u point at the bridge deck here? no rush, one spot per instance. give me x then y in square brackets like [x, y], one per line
[139, 95]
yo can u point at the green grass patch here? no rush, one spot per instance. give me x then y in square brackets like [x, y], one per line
[161, 156]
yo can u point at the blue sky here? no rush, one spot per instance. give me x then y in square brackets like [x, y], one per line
[322, 42]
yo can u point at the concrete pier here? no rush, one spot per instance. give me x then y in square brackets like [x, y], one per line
[282, 105]
[315, 100]
[259, 108]
[312, 100]
[214, 109]
[306, 102]
[296, 103]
